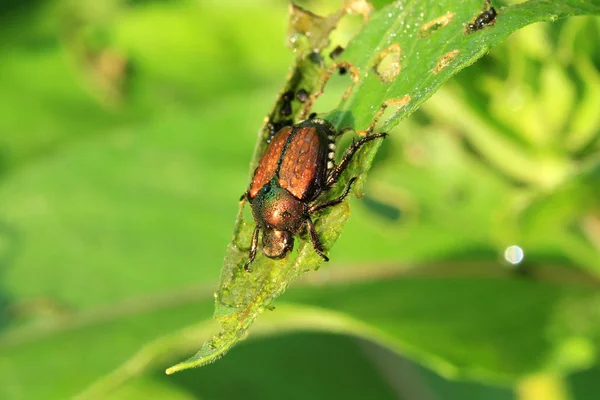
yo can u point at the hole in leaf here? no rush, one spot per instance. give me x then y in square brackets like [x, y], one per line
[304, 25]
[445, 60]
[387, 64]
[430, 27]
[361, 7]
[388, 110]
[345, 67]
[385, 114]
[309, 31]
[346, 29]
[335, 87]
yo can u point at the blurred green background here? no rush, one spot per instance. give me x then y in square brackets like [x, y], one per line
[126, 129]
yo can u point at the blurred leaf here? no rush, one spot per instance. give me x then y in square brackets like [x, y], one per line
[453, 206]
[487, 324]
[152, 389]
[560, 215]
[172, 41]
[54, 78]
[585, 120]
[585, 385]
[526, 109]
[288, 362]
[57, 360]
[413, 381]
[542, 386]
[425, 58]
[449, 205]
[143, 209]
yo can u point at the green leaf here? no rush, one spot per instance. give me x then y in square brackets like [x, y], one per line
[67, 355]
[523, 324]
[290, 318]
[430, 43]
[125, 207]
[52, 84]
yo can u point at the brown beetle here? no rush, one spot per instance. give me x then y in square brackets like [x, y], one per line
[297, 166]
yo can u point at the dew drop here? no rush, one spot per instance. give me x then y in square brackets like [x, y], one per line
[514, 254]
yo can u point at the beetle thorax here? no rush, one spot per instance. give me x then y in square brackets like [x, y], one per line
[276, 208]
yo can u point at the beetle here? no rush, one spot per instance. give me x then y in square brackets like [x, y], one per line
[297, 166]
[486, 18]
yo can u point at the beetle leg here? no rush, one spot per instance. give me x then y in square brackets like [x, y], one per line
[339, 169]
[333, 202]
[245, 196]
[252, 253]
[314, 238]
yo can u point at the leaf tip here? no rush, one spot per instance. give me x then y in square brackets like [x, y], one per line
[173, 369]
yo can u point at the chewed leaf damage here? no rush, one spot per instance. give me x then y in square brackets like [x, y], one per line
[445, 60]
[432, 26]
[387, 64]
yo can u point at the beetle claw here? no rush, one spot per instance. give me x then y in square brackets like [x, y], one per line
[247, 266]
